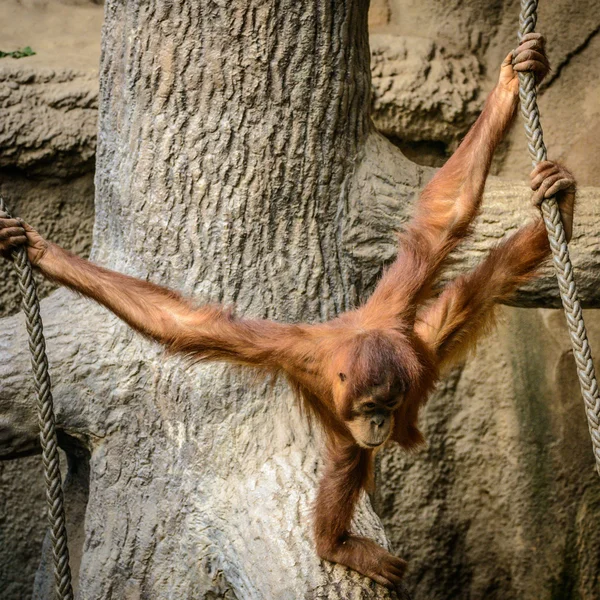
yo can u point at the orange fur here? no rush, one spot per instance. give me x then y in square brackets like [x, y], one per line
[395, 343]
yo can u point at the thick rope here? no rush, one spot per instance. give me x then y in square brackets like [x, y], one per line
[41, 377]
[558, 244]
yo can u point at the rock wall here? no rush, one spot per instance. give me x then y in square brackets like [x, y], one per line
[503, 503]
[64, 207]
[49, 108]
[473, 37]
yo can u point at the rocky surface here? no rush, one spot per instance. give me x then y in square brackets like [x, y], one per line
[421, 94]
[49, 107]
[504, 502]
[62, 207]
[486, 31]
[48, 121]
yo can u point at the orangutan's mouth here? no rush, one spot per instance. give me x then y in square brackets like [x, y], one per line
[375, 445]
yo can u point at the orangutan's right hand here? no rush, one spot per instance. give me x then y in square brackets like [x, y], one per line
[15, 233]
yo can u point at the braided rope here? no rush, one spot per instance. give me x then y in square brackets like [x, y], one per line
[558, 244]
[41, 377]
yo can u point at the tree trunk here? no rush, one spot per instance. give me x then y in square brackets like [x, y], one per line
[229, 133]
[237, 163]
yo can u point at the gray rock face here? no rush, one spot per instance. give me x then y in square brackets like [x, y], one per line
[48, 129]
[420, 93]
[63, 207]
[49, 121]
[504, 502]
[183, 496]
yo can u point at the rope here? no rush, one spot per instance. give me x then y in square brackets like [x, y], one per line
[39, 364]
[558, 244]
[566, 283]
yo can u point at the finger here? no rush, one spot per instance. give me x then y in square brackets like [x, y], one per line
[531, 66]
[534, 36]
[11, 232]
[5, 222]
[538, 178]
[537, 182]
[396, 581]
[562, 184]
[7, 246]
[531, 45]
[19, 240]
[396, 572]
[25, 225]
[527, 55]
[537, 199]
[396, 566]
[398, 562]
[541, 166]
[541, 193]
[508, 60]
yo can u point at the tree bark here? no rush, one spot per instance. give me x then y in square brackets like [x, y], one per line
[237, 163]
[228, 138]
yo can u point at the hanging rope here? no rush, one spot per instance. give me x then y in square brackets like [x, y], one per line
[558, 244]
[39, 364]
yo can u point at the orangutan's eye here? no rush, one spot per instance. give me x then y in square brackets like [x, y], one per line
[369, 406]
[394, 402]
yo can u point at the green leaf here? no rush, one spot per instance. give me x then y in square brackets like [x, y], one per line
[20, 53]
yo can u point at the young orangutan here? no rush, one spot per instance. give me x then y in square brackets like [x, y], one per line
[366, 373]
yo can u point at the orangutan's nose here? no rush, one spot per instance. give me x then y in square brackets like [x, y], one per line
[377, 420]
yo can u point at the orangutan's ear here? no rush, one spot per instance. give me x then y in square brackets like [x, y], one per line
[342, 377]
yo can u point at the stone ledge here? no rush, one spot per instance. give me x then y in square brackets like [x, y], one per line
[420, 93]
[49, 120]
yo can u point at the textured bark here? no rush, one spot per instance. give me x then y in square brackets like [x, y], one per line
[236, 162]
[228, 137]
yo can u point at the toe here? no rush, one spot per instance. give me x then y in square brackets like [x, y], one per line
[382, 580]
